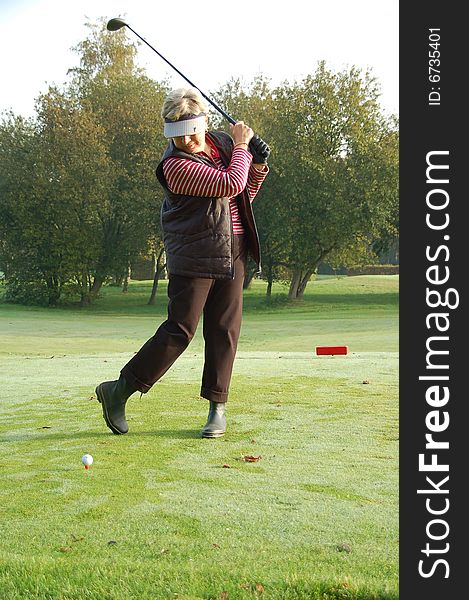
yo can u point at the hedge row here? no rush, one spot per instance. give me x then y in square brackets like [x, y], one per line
[374, 270]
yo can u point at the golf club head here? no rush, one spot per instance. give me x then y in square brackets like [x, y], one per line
[115, 24]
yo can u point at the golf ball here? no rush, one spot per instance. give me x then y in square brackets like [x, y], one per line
[87, 460]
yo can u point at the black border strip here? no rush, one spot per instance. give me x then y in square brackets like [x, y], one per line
[435, 124]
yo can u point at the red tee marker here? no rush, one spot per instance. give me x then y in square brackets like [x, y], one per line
[322, 350]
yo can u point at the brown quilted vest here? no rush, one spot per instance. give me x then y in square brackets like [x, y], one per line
[197, 231]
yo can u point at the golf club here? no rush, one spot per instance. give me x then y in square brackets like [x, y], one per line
[115, 24]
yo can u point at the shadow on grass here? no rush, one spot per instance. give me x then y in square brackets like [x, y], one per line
[182, 434]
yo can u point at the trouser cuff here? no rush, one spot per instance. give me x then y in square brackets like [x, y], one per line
[214, 396]
[135, 382]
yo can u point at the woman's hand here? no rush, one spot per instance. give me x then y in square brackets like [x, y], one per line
[241, 133]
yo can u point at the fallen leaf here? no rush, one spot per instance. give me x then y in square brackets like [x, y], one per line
[65, 549]
[76, 538]
[112, 543]
[226, 466]
[223, 595]
[45, 427]
[248, 458]
[365, 381]
[344, 548]
[259, 588]
[216, 546]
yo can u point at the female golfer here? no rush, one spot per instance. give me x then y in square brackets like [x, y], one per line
[209, 181]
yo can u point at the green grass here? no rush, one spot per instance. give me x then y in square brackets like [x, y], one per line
[164, 514]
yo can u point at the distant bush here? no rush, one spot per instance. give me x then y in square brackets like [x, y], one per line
[374, 270]
[17, 291]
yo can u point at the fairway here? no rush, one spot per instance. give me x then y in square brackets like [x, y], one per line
[163, 514]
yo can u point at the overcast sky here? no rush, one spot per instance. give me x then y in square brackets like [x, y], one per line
[209, 41]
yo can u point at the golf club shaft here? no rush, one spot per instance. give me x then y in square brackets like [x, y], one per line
[215, 106]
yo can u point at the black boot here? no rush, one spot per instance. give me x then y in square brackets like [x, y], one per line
[216, 422]
[113, 395]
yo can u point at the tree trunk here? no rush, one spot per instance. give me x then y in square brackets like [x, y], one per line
[97, 284]
[248, 277]
[299, 282]
[304, 282]
[53, 290]
[85, 289]
[117, 281]
[125, 287]
[159, 267]
[294, 284]
[270, 280]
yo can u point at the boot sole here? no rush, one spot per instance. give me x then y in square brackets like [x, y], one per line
[214, 435]
[100, 396]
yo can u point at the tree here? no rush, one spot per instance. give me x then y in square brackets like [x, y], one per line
[79, 195]
[339, 176]
[159, 265]
[51, 186]
[126, 104]
[19, 222]
[78, 176]
[255, 104]
[332, 185]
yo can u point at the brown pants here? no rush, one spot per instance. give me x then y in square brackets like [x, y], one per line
[221, 301]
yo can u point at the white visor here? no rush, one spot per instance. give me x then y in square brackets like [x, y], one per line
[186, 126]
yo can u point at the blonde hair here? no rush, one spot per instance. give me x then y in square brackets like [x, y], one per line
[183, 101]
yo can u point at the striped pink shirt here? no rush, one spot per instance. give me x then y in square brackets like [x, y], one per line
[198, 179]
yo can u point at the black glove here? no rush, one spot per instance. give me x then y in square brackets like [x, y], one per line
[259, 149]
